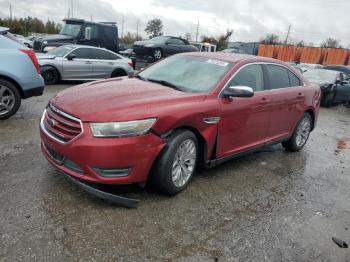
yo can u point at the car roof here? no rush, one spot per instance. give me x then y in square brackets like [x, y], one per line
[3, 30]
[89, 46]
[232, 57]
[323, 70]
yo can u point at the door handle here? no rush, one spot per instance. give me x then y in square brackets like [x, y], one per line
[264, 101]
[110, 63]
[88, 63]
[300, 95]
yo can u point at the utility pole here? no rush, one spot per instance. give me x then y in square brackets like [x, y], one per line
[197, 31]
[71, 3]
[10, 12]
[122, 27]
[285, 42]
[68, 12]
[91, 17]
[137, 29]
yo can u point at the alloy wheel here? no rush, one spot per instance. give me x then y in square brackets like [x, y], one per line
[303, 132]
[184, 163]
[7, 100]
[157, 54]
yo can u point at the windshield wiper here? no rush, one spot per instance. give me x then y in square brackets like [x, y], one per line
[140, 77]
[165, 83]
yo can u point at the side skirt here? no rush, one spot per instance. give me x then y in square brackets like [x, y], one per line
[218, 161]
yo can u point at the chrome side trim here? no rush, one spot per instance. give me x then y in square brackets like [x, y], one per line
[212, 120]
[260, 63]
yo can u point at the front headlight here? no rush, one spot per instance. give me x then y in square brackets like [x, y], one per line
[122, 129]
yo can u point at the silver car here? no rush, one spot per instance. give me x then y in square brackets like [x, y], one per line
[82, 63]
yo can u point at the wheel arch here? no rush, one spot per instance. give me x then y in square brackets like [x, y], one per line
[313, 117]
[14, 82]
[120, 69]
[54, 67]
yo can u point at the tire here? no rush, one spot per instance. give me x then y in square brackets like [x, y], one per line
[157, 54]
[300, 135]
[50, 74]
[169, 167]
[118, 73]
[10, 99]
[328, 101]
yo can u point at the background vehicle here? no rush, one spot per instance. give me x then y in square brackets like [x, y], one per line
[205, 47]
[340, 68]
[25, 40]
[79, 62]
[333, 85]
[79, 31]
[231, 50]
[162, 46]
[187, 110]
[19, 74]
[306, 67]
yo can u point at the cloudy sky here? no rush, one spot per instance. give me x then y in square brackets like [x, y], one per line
[310, 20]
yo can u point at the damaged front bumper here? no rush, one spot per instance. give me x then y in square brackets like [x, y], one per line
[111, 198]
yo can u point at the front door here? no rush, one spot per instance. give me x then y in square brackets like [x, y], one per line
[244, 121]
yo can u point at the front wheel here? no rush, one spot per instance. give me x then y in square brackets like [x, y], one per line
[301, 134]
[328, 100]
[50, 75]
[174, 168]
[157, 54]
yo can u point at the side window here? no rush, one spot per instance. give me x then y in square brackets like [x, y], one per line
[94, 31]
[176, 41]
[100, 54]
[109, 34]
[82, 53]
[113, 56]
[294, 80]
[278, 76]
[251, 76]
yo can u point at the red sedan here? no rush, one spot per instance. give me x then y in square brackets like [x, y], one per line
[189, 110]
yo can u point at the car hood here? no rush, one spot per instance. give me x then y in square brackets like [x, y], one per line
[121, 99]
[54, 38]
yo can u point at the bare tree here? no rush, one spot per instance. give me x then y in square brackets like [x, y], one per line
[331, 43]
[271, 39]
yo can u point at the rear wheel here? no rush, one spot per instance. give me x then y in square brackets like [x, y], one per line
[50, 75]
[301, 134]
[118, 73]
[174, 168]
[10, 99]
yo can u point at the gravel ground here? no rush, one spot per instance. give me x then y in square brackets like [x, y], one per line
[267, 206]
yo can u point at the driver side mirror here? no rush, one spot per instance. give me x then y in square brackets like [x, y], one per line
[87, 33]
[71, 56]
[237, 91]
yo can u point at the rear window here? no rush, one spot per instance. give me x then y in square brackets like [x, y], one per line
[12, 37]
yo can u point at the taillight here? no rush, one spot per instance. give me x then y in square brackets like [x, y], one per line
[130, 63]
[32, 57]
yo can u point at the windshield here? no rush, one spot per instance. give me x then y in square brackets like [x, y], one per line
[60, 51]
[188, 73]
[71, 29]
[320, 76]
[160, 39]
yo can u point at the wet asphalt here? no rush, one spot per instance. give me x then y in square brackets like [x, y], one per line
[268, 206]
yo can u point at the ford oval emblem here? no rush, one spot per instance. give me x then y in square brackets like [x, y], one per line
[51, 122]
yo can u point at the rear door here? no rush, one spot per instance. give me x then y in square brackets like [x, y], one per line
[244, 121]
[80, 68]
[288, 100]
[102, 65]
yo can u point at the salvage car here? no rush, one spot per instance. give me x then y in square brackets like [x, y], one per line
[186, 111]
[19, 74]
[162, 46]
[82, 63]
[334, 87]
[79, 31]
[304, 67]
[340, 68]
